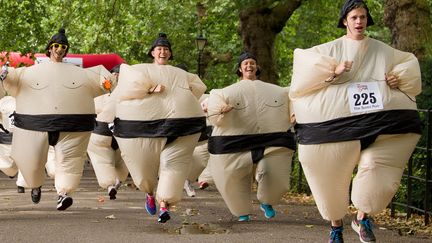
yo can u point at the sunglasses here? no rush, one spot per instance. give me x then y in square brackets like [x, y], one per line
[57, 45]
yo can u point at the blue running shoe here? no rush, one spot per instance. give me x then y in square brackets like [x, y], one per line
[268, 210]
[150, 204]
[164, 216]
[244, 218]
[364, 229]
[336, 235]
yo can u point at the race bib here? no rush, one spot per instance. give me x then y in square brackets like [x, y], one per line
[364, 96]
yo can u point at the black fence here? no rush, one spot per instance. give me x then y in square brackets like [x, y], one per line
[415, 192]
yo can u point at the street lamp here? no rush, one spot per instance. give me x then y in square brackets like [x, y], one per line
[200, 43]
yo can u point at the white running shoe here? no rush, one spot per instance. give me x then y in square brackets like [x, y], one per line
[190, 191]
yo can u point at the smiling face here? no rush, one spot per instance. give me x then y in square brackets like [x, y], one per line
[57, 52]
[248, 69]
[356, 22]
[161, 55]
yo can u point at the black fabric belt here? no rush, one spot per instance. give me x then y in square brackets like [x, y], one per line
[171, 127]
[242, 143]
[206, 134]
[55, 123]
[365, 127]
[102, 128]
[5, 138]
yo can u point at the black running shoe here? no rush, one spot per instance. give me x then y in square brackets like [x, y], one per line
[36, 195]
[20, 189]
[112, 192]
[164, 216]
[63, 202]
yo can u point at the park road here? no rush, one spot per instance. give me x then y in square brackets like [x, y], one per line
[204, 218]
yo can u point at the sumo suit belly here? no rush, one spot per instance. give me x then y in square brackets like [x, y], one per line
[329, 166]
[150, 158]
[73, 95]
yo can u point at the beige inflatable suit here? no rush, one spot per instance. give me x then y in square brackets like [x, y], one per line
[7, 165]
[54, 106]
[103, 151]
[200, 157]
[356, 119]
[49, 168]
[158, 131]
[7, 107]
[256, 130]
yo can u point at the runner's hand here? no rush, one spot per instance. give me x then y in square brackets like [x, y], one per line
[392, 81]
[343, 67]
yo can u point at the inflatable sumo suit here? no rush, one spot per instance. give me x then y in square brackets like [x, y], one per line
[49, 168]
[354, 120]
[157, 132]
[54, 106]
[255, 131]
[7, 107]
[201, 155]
[7, 165]
[103, 149]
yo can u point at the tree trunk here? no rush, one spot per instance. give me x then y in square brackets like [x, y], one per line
[410, 25]
[258, 28]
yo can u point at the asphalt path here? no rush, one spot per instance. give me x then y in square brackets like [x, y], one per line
[204, 218]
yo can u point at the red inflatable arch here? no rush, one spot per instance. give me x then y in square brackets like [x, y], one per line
[83, 60]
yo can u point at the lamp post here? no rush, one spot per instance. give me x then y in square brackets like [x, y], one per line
[200, 43]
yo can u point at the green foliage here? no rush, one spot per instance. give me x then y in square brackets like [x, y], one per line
[129, 27]
[424, 100]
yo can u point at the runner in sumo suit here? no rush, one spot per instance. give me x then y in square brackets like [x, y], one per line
[54, 106]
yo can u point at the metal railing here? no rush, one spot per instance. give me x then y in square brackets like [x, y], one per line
[416, 180]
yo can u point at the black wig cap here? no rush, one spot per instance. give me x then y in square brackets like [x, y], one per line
[243, 56]
[60, 38]
[350, 5]
[162, 40]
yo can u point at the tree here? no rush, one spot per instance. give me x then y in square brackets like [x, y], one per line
[260, 22]
[271, 29]
[410, 25]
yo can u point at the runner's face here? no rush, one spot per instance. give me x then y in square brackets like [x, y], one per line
[161, 55]
[248, 68]
[57, 53]
[356, 22]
